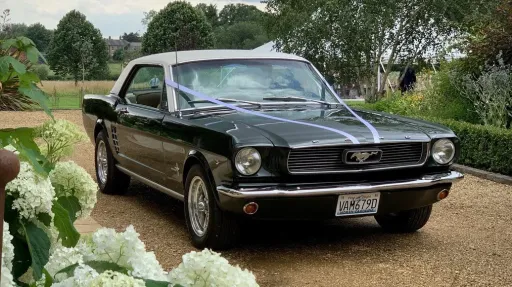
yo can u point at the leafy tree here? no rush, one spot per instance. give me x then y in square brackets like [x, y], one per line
[234, 13]
[40, 35]
[78, 49]
[210, 12]
[131, 37]
[346, 39]
[177, 25]
[147, 17]
[118, 54]
[241, 35]
[491, 37]
[15, 30]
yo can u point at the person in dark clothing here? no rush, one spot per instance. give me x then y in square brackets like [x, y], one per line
[407, 80]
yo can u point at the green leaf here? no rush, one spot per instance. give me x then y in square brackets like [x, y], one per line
[33, 92]
[32, 54]
[48, 280]
[29, 78]
[62, 221]
[68, 270]
[5, 61]
[22, 259]
[153, 283]
[102, 266]
[71, 204]
[45, 218]
[23, 140]
[39, 247]
[8, 44]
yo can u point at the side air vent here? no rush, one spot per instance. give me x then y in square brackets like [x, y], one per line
[114, 139]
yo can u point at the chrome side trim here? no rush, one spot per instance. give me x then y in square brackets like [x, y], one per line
[425, 181]
[154, 185]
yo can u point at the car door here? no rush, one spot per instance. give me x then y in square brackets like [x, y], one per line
[138, 128]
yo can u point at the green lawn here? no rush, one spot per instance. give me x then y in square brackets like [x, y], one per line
[115, 68]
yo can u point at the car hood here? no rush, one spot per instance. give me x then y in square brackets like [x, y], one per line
[294, 134]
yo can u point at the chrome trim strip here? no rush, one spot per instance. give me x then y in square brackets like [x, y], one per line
[423, 156]
[154, 185]
[425, 181]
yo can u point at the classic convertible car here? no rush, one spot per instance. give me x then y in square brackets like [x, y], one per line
[247, 135]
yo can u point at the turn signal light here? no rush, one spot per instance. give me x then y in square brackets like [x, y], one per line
[251, 208]
[443, 194]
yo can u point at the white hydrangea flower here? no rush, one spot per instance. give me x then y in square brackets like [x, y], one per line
[7, 248]
[33, 193]
[63, 257]
[68, 178]
[208, 268]
[6, 280]
[116, 279]
[7, 257]
[83, 276]
[59, 137]
[125, 249]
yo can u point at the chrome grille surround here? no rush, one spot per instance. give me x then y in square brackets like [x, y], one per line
[328, 159]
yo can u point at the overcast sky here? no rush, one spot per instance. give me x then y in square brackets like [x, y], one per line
[112, 17]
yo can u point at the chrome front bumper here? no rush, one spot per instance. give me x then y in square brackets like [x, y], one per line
[425, 181]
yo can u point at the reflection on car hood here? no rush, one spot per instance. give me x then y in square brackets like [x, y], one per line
[390, 128]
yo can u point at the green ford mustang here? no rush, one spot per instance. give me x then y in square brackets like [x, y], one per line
[246, 135]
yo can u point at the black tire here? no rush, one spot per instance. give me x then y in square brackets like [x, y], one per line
[405, 221]
[223, 228]
[116, 182]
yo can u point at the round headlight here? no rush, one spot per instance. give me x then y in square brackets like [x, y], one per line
[443, 151]
[248, 161]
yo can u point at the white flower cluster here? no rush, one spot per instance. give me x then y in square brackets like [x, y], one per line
[7, 257]
[125, 249]
[63, 257]
[59, 137]
[208, 268]
[33, 194]
[68, 178]
[83, 276]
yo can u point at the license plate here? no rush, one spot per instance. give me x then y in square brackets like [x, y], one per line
[357, 204]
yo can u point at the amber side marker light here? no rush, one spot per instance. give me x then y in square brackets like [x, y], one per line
[443, 194]
[251, 208]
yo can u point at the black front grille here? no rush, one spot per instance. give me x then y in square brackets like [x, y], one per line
[330, 158]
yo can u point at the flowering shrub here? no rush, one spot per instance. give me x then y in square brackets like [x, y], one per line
[7, 257]
[32, 193]
[59, 137]
[208, 268]
[70, 179]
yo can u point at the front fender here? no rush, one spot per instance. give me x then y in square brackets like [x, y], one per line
[217, 168]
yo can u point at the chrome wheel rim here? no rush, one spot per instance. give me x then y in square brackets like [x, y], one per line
[198, 206]
[101, 162]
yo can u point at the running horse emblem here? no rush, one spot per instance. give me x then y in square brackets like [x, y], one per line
[363, 156]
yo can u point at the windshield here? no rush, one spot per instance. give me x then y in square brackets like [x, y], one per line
[255, 80]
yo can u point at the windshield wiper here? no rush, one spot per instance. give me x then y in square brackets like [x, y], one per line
[228, 101]
[294, 99]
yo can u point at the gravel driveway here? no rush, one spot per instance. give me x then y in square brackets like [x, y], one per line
[467, 242]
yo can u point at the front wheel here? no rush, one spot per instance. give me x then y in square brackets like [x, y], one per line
[405, 221]
[208, 225]
[110, 179]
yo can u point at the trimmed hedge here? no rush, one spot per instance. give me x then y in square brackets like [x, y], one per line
[483, 147]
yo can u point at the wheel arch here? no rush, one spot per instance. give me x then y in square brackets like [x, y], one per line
[196, 157]
[100, 125]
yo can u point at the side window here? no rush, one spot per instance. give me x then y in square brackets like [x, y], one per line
[147, 88]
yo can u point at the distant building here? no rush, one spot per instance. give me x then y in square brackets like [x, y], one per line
[114, 44]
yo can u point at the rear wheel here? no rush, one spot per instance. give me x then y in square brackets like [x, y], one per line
[405, 221]
[110, 179]
[208, 225]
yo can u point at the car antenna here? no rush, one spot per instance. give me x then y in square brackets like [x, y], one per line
[177, 76]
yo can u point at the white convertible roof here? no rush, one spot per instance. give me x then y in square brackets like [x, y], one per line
[201, 55]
